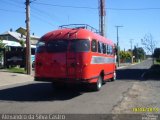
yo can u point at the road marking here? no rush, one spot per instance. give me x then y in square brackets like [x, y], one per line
[143, 75]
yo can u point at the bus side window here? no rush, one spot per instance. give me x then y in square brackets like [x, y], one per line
[99, 47]
[111, 50]
[108, 49]
[104, 48]
[94, 46]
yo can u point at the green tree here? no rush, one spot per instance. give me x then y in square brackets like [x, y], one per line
[22, 42]
[2, 47]
[139, 53]
[157, 54]
[125, 56]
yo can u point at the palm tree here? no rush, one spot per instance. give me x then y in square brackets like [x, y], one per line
[22, 42]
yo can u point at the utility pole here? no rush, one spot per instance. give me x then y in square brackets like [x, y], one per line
[118, 57]
[131, 41]
[102, 15]
[28, 46]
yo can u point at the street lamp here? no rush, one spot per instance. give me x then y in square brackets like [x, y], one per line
[118, 57]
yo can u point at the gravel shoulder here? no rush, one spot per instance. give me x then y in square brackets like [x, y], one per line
[142, 97]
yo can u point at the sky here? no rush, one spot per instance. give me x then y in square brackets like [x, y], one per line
[138, 17]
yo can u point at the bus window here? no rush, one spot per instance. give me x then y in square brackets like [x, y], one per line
[108, 49]
[104, 48]
[111, 50]
[80, 46]
[40, 47]
[94, 46]
[100, 47]
[57, 46]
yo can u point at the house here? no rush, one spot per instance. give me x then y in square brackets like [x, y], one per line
[33, 39]
[14, 37]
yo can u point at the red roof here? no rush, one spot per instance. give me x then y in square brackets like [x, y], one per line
[74, 34]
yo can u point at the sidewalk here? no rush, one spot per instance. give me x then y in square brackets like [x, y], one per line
[122, 65]
[7, 78]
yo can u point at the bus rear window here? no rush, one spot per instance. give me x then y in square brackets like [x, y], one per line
[80, 46]
[57, 46]
[40, 47]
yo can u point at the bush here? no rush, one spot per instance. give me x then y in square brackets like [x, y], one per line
[157, 53]
[158, 60]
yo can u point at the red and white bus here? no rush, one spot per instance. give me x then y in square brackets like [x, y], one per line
[75, 55]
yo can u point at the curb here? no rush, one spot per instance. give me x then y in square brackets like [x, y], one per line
[121, 67]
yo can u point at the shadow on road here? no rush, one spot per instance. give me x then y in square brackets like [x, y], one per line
[138, 74]
[153, 73]
[130, 74]
[39, 92]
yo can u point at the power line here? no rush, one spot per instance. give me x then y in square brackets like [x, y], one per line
[56, 5]
[41, 12]
[85, 7]
[80, 7]
[42, 20]
[15, 4]
[44, 13]
[33, 1]
[11, 11]
[132, 9]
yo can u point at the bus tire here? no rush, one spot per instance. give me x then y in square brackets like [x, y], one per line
[114, 76]
[97, 86]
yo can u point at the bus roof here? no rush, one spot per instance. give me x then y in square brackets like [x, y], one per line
[74, 33]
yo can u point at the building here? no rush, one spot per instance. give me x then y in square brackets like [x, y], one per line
[15, 54]
[15, 37]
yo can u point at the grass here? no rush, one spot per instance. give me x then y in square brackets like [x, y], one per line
[16, 70]
[157, 63]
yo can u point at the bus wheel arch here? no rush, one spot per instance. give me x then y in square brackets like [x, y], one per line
[114, 76]
[102, 75]
[97, 86]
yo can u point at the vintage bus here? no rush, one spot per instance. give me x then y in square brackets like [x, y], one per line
[75, 55]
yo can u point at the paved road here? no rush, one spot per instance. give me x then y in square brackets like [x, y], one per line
[38, 97]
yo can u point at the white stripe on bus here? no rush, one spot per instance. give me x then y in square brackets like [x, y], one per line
[102, 60]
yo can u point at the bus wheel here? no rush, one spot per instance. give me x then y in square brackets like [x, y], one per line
[97, 86]
[114, 76]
